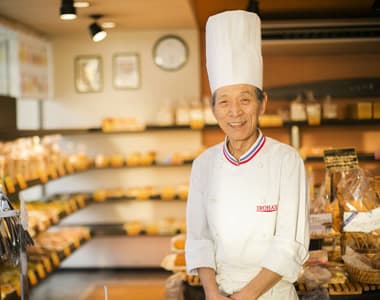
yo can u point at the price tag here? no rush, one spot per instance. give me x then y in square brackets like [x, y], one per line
[21, 181]
[40, 271]
[9, 184]
[338, 160]
[61, 170]
[55, 259]
[32, 277]
[69, 167]
[47, 264]
[67, 251]
[43, 175]
[53, 172]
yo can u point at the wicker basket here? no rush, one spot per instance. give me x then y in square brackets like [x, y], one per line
[364, 276]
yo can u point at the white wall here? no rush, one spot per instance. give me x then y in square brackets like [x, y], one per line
[70, 109]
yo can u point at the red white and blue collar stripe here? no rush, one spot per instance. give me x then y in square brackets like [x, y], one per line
[251, 153]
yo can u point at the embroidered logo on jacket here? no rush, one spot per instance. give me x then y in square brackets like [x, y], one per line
[266, 208]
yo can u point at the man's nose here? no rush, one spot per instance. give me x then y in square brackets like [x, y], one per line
[235, 109]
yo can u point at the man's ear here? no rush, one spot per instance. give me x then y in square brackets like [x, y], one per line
[263, 104]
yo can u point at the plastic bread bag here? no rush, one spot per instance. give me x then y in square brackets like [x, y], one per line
[319, 293]
[355, 192]
[174, 287]
[321, 204]
[315, 276]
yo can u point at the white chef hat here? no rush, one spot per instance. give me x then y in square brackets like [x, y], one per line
[233, 49]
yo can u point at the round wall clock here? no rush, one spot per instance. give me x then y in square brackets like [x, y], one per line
[170, 53]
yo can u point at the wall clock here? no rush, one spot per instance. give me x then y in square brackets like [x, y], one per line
[170, 53]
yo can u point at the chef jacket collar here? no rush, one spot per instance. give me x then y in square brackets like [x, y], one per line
[246, 157]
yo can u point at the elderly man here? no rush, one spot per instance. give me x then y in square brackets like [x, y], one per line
[247, 214]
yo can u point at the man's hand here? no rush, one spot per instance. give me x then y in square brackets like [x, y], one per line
[242, 295]
[217, 297]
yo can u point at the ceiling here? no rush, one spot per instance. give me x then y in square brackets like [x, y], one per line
[42, 15]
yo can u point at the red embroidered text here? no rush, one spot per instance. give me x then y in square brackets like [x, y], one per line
[266, 208]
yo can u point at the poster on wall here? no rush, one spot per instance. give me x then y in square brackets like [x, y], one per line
[88, 74]
[33, 58]
[126, 71]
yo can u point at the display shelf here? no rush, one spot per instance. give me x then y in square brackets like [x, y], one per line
[9, 135]
[40, 269]
[358, 291]
[71, 205]
[42, 266]
[118, 229]
[363, 157]
[17, 187]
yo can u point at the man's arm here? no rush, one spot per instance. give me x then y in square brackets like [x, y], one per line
[207, 276]
[258, 286]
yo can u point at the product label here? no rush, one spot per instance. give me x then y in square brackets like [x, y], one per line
[338, 160]
[320, 223]
[362, 221]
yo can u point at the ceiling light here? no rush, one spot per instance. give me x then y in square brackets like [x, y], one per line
[96, 32]
[81, 4]
[108, 25]
[67, 10]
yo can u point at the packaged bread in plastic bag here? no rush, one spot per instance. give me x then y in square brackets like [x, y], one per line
[355, 192]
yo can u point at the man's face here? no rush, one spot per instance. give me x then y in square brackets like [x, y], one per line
[237, 110]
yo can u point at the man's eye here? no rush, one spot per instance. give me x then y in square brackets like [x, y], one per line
[222, 102]
[245, 100]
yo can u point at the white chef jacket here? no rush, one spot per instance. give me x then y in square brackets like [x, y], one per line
[249, 214]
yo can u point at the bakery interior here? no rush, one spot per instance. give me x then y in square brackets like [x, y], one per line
[97, 140]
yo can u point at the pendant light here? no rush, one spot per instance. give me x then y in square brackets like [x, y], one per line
[96, 32]
[67, 10]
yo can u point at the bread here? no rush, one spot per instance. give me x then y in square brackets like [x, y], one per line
[375, 261]
[180, 260]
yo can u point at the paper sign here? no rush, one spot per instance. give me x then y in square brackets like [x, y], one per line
[361, 221]
[320, 223]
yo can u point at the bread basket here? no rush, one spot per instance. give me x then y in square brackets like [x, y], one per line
[371, 276]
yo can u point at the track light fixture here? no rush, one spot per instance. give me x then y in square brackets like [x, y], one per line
[67, 10]
[96, 32]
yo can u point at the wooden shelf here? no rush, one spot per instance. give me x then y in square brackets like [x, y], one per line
[35, 182]
[363, 157]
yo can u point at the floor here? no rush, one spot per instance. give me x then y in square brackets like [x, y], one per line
[78, 285]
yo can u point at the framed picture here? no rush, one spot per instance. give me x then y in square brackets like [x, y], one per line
[88, 74]
[126, 71]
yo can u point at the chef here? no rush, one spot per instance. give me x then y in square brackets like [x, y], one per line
[247, 212]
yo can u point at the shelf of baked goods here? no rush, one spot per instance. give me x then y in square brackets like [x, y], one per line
[33, 161]
[269, 120]
[44, 214]
[163, 193]
[50, 249]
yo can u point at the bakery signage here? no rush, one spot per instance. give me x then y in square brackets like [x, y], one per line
[338, 160]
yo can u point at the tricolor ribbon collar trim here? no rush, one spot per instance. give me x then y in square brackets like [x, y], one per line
[251, 153]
